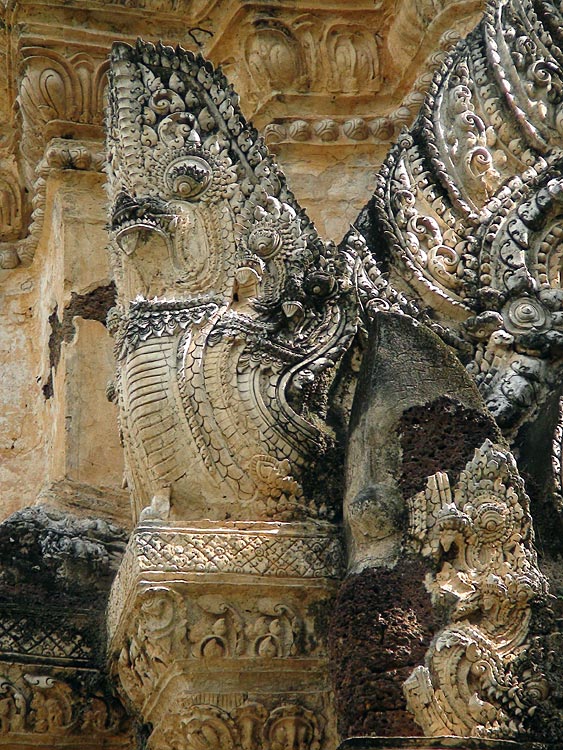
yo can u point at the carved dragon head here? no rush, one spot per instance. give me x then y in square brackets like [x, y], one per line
[205, 230]
[193, 180]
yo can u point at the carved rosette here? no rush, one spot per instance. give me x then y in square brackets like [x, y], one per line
[215, 635]
[477, 681]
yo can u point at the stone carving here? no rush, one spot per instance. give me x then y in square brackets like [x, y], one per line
[56, 90]
[238, 334]
[51, 705]
[557, 452]
[469, 205]
[57, 86]
[159, 636]
[277, 632]
[243, 312]
[13, 708]
[62, 548]
[59, 154]
[219, 632]
[275, 57]
[357, 129]
[232, 325]
[479, 535]
[293, 727]
[46, 704]
[269, 553]
[19, 636]
[240, 619]
[59, 97]
[226, 359]
[10, 207]
[206, 726]
[381, 129]
[304, 55]
[183, 643]
[249, 726]
[174, 622]
[55, 574]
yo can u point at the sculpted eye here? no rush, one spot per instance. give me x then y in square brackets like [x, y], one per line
[188, 177]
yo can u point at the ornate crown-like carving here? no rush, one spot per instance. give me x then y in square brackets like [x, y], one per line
[469, 209]
[475, 682]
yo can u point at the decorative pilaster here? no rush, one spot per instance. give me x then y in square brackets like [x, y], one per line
[217, 635]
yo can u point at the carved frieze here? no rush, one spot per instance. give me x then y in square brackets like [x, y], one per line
[195, 625]
[215, 632]
[57, 641]
[275, 553]
[312, 53]
[249, 726]
[330, 61]
[183, 630]
[265, 550]
[363, 129]
[51, 706]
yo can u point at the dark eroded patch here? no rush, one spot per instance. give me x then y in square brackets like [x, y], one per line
[440, 436]
[91, 306]
[381, 628]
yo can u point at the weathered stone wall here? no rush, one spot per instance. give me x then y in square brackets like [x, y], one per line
[59, 425]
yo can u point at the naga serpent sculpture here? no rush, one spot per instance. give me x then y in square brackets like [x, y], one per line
[238, 330]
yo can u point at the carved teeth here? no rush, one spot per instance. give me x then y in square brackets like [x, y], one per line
[128, 241]
[292, 308]
[245, 275]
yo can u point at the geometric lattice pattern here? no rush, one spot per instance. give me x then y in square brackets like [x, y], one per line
[21, 637]
[239, 552]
